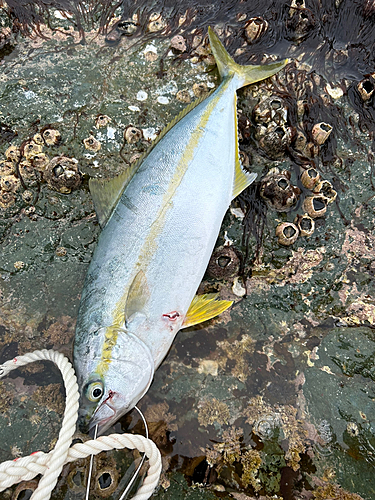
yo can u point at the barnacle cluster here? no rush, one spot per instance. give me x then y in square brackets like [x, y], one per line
[25, 166]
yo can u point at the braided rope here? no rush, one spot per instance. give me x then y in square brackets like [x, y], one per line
[50, 464]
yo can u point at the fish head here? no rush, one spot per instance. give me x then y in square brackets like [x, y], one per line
[112, 381]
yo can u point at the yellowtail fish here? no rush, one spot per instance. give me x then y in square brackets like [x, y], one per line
[160, 222]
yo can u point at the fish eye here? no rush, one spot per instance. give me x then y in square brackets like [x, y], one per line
[94, 391]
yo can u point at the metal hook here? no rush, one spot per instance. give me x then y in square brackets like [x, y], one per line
[90, 468]
[135, 475]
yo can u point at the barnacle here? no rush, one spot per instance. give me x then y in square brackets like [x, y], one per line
[38, 139]
[7, 199]
[178, 44]
[62, 174]
[274, 139]
[255, 28]
[27, 196]
[200, 89]
[287, 233]
[224, 263]
[277, 190]
[106, 481]
[51, 136]
[9, 183]
[325, 189]
[352, 429]
[24, 490]
[39, 161]
[92, 144]
[13, 153]
[315, 206]
[102, 121]
[157, 23]
[132, 134]
[7, 168]
[334, 492]
[270, 109]
[28, 173]
[18, 265]
[366, 89]
[310, 178]
[305, 224]
[320, 132]
[183, 96]
[31, 148]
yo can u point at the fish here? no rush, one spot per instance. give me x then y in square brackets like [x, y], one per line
[160, 220]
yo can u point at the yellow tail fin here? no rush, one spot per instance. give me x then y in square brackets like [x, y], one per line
[246, 74]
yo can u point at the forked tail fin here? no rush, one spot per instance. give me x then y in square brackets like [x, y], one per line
[246, 74]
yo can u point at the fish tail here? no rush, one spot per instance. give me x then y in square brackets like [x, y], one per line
[245, 74]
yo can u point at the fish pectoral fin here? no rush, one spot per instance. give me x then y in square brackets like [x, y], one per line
[107, 192]
[138, 296]
[205, 307]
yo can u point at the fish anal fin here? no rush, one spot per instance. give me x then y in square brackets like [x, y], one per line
[138, 296]
[107, 192]
[203, 308]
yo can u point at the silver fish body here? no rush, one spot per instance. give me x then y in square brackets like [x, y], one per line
[152, 254]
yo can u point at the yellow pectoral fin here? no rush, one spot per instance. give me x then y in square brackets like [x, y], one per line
[205, 307]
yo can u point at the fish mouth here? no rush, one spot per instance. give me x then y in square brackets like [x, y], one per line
[102, 419]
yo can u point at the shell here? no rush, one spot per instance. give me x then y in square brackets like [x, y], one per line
[200, 89]
[287, 233]
[315, 206]
[62, 174]
[320, 132]
[132, 134]
[38, 139]
[325, 189]
[305, 224]
[92, 144]
[270, 109]
[310, 178]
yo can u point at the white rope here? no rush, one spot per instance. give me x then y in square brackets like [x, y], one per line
[50, 464]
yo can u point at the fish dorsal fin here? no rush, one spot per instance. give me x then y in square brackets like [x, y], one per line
[205, 307]
[242, 179]
[138, 296]
[107, 192]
